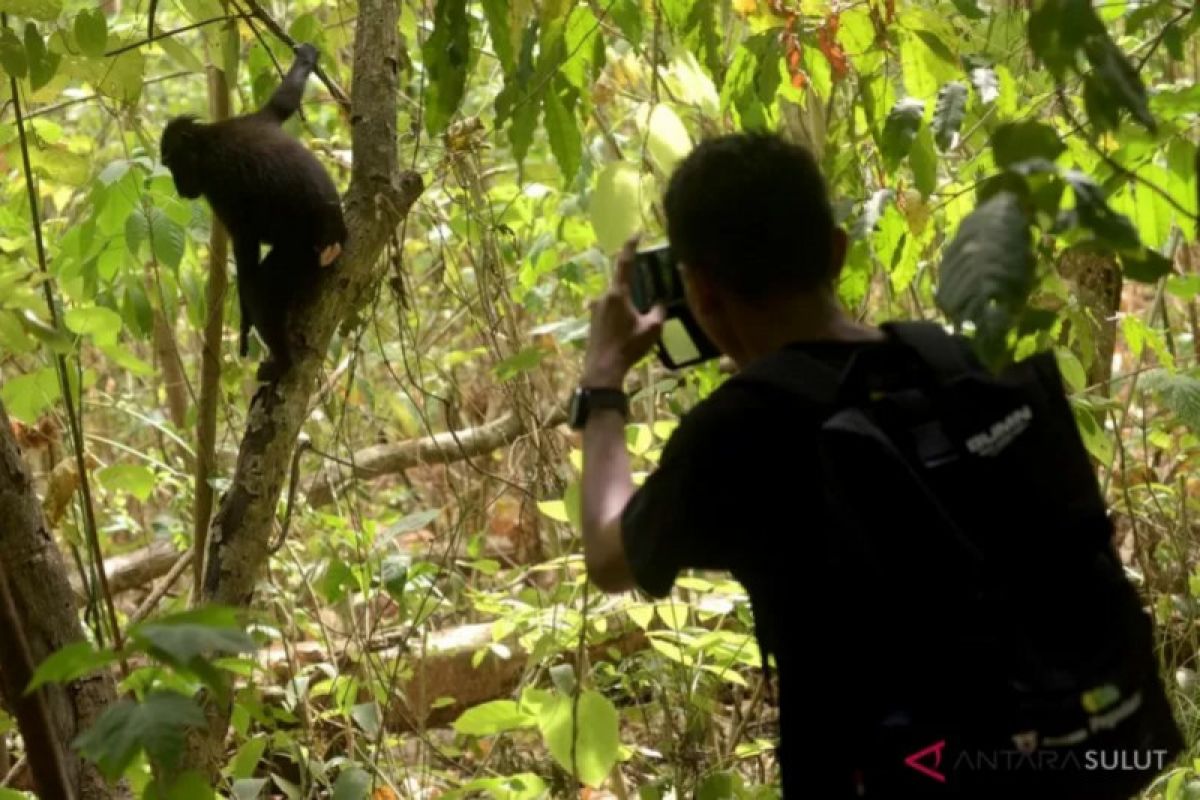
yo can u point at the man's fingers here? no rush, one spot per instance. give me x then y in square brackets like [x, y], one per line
[625, 259]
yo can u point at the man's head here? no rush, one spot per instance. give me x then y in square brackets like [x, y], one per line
[749, 219]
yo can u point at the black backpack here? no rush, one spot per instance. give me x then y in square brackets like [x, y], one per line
[992, 642]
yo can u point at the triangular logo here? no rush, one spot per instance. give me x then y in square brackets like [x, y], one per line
[935, 750]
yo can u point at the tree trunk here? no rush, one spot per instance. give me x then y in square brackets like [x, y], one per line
[378, 198]
[45, 604]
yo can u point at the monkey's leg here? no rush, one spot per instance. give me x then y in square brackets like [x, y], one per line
[286, 99]
[245, 253]
[274, 286]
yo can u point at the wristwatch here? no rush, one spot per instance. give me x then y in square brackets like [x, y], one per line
[585, 399]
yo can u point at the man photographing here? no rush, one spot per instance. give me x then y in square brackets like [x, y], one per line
[749, 483]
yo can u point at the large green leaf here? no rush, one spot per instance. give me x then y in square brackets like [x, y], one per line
[500, 31]
[900, 130]
[12, 54]
[522, 786]
[563, 132]
[352, 784]
[667, 139]
[987, 271]
[489, 719]
[446, 56]
[157, 725]
[102, 324]
[42, 63]
[71, 662]
[948, 113]
[582, 30]
[1119, 80]
[91, 31]
[582, 735]
[26, 396]
[1021, 141]
[135, 479]
[923, 160]
[183, 638]
[1178, 392]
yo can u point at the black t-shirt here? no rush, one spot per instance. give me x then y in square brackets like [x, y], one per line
[735, 490]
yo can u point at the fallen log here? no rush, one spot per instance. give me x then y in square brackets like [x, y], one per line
[441, 448]
[134, 569]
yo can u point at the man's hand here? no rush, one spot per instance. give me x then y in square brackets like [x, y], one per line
[619, 335]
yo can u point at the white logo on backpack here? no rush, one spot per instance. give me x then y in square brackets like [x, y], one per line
[992, 441]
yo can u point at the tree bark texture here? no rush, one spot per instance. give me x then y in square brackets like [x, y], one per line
[45, 604]
[379, 196]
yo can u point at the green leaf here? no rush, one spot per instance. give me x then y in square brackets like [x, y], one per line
[46, 10]
[522, 786]
[948, 113]
[489, 719]
[26, 396]
[181, 55]
[616, 205]
[245, 762]
[523, 361]
[1095, 214]
[167, 239]
[500, 32]
[1095, 438]
[923, 160]
[91, 32]
[367, 717]
[1180, 393]
[628, 16]
[132, 478]
[563, 132]
[42, 63]
[446, 55]
[1021, 141]
[352, 784]
[120, 78]
[157, 725]
[592, 739]
[1121, 83]
[986, 84]
[12, 54]
[183, 639]
[721, 786]
[900, 130]
[102, 324]
[71, 662]
[987, 271]
[581, 32]
[189, 786]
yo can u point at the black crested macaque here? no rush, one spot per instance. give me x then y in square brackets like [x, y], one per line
[266, 188]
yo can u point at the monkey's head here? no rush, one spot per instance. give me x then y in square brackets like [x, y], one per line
[180, 149]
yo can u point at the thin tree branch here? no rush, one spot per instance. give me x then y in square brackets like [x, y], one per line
[154, 37]
[274, 27]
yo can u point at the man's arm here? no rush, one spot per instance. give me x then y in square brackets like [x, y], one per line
[607, 487]
[619, 337]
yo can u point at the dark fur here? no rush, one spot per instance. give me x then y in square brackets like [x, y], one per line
[266, 188]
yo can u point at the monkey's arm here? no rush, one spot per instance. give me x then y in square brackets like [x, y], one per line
[286, 99]
[245, 253]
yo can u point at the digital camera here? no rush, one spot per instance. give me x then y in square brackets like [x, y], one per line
[656, 280]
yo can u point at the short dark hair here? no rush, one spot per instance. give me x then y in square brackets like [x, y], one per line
[751, 210]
